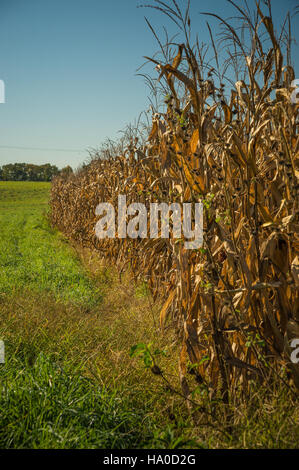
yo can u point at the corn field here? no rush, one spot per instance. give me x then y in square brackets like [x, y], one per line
[234, 146]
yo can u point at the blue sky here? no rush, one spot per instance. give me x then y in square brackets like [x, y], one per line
[69, 68]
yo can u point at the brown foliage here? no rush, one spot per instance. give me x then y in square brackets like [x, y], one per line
[234, 302]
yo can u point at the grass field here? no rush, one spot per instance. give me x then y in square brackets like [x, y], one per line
[32, 255]
[52, 340]
[68, 324]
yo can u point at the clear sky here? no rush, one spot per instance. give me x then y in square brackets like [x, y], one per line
[69, 68]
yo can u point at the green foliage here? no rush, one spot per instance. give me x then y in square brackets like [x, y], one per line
[147, 355]
[34, 256]
[48, 405]
[28, 172]
[142, 350]
[254, 340]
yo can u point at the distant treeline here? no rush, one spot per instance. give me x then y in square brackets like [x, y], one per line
[30, 172]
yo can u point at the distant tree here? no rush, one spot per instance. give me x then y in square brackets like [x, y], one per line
[28, 172]
[48, 172]
[66, 171]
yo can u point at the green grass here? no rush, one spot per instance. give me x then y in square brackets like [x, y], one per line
[46, 402]
[46, 405]
[33, 255]
[68, 324]
[63, 384]
[59, 387]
